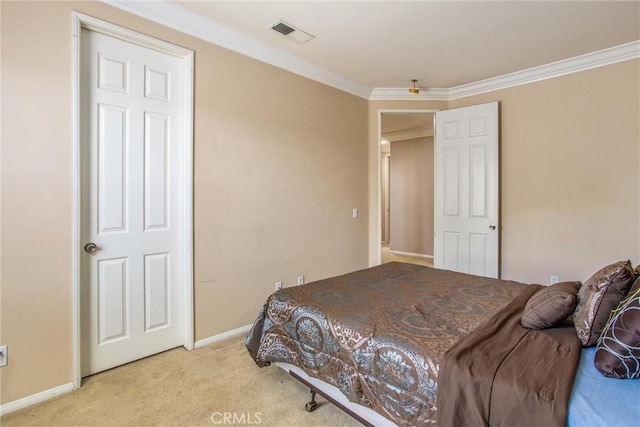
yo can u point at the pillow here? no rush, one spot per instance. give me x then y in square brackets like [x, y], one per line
[598, 296]
[551, 305]
[618, 351]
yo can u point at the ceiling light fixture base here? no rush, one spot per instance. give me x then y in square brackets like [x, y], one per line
[414, 90]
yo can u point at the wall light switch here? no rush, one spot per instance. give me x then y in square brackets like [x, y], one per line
[300, 280]
[278, 286]
[355, 212]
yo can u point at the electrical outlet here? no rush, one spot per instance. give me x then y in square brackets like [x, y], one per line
[554, 280]
[278, 286]
[300, 280]
[4, 355]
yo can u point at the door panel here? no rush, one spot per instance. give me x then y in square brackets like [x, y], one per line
[467, 189]
[156, 171]
[450, 251]
[112, 180]
[157, 292]
[113, 315]
[451, 183]
[478, 177]
[132, 292]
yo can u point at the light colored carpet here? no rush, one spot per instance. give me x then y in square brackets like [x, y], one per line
[182, 388]
[388, 256]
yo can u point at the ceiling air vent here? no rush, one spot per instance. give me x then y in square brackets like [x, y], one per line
[292, 32]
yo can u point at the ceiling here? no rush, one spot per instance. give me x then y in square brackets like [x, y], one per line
[373, 49]
[394, 125]
[443, 44]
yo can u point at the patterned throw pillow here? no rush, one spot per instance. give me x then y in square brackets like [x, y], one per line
[600, 294]
[618, 351]
[551, 305]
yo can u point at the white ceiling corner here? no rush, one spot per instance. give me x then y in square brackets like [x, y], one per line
[174, 15]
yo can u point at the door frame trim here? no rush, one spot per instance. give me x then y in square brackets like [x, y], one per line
[378, 174]
[80, 21]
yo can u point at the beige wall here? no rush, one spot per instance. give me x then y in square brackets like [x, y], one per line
[411, 196]
[279, 164]
[569, 173]
[570, 182]
[275, 184]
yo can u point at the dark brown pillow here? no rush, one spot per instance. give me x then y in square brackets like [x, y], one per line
[597, 297]
[551, 305]
[618, 352]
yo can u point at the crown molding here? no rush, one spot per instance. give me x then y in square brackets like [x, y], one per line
[402, 94]
[174, 16]
[600, 58]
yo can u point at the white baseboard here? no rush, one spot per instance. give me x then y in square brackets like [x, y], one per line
[223, 336]
[66, 388]
[411, 254]
[7, 408]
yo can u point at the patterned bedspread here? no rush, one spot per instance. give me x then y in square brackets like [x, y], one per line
[378, 335]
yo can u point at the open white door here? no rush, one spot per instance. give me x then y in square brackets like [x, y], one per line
[467, 190]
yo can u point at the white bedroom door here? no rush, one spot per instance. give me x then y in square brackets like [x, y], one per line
[132, 266]
[467, 228]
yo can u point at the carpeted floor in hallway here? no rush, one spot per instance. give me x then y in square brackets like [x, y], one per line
[388, 256]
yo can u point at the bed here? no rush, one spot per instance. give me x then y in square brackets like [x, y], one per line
[411, 345]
